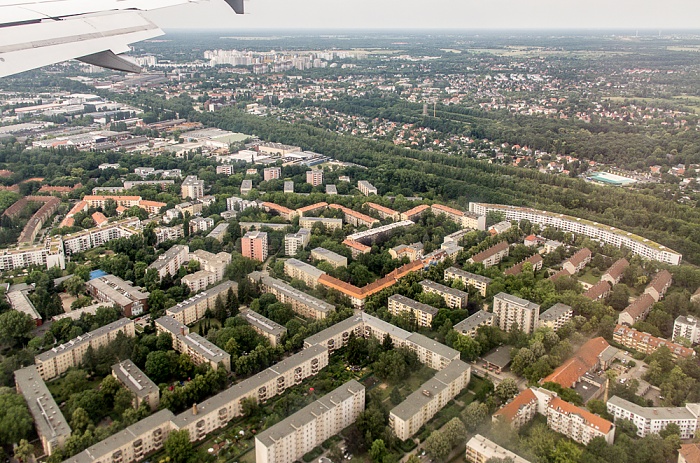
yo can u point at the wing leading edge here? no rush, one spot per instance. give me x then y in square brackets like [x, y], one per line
[35, 34]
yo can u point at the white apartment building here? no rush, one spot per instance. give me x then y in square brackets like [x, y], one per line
[480, 450]
[194, 308]
[688, 328]
[470, 325]
[262, 325]
[511, 310]
[136, 381]
[366, 188]
[169, 233]
[200, 224]
[97, 236]
[652, 420]
[298, 434]
[302, 303]
[215, 263]
[556, 316]
[192, 187]
[419, 407]
[294, 242]
[423, 313]
[303, 271]
[196, 347]
[604, 233]
[50, 254]
[576, 423]
[169, 263]
[468, 279]
[454, 298]
[199, 280]
[57, 360]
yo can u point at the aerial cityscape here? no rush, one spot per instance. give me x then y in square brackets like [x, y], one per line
[345, 246]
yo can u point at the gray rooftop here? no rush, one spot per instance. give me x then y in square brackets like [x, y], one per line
[21, 303]
[169, 255]
[415, 305]
[433, 346]
[48, 418]
[467, 275]
[654, 413]
[263, 323]
[330, 255]
[194, 341]
[517, 301]
[555, 312]
[218, 231]
[194, 300]
[499, 356]
[473, 321]
[117, 290]
[687, 320]
[309, 413]
[84, 338]
[443, 289]
[304, 267]
[387, 327]
[134, 379]
[122, 438]
[334, 330]
[295, 294]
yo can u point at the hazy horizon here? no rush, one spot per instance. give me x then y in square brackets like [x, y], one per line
[438, 15]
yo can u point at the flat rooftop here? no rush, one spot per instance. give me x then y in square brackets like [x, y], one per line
[263, 323]
[48, 418]
[134, 379]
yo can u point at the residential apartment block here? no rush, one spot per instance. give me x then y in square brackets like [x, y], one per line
[686, 327]
[523, 408]
[295, 242]
[511, 310]
[603, 233]
[170, 262]
[302, 303]
[49, 254]
[595, 354]
[463, 219]
[468, 279]
[419, 407]
[298, 434]
[481, 450]
[57, 360]
[415, 213]
[470, 325]
[198, 281]
[113, 290]
[201, 224]
[21, 303]
[195, 346]
[314, 177]
[214, 263]
[556, 316]
[491, 256]
[356, 219]
[576, 423]
[383, 212]
[637, 310]
[271, 330]
[578, 261]
[303, 271]
[652, 420]
[136, 381]
[454, 298]
[366, 188]
[614, 274]
[193, 309]
[659, 285]
[51, 426]
[312, 208]
[254, 245]
[536, 262]
[192, 187]
[328, 223]
[169, 233]
[423, 313]
[335, 259]
[271, 173]
[646, 343]
[74, 243]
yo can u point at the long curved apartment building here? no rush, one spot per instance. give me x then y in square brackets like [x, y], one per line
[597, 231]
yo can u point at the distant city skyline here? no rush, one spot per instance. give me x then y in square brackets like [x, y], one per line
[436, 14]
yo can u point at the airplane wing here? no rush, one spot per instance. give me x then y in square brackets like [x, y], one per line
[36, 33]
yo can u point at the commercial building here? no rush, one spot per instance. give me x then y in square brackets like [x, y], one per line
[192, 187]
[576, 423]
[51, 426]
[196, 347]
[132, 444]
[422, 313]
[314, 177]
[57, 360]
[556, 316]
[419, 407]
[512, 311]
[295, 242]
[302, 303]
[328, 223]
[335, 259]
[298, 434]
[271, 330]
[303, 271]
[454, 298]
[193, 309]
[470, 325]
[603, 233]
[652, 420]
[646, 343]
[136, 381]
[491, 256]
[113, 290]
[468, 279]
[271, 173]
[254, 245]
[481, 450]
[21, 303]
[686, 327]
[171, 260]
[366, 188]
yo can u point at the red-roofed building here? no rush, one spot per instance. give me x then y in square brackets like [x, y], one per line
[588, 358]
[99, 218]
[384, 212]
[356, 248]
[152, 207]
[356, 219]
[532, 240]
[561, 273]
[521, 410]
[578, 424]
[284, 212]
[535, 260]
[637, 310]
[578, 261]
[615, 272]
[646, 343]
[689, 453]
[659, 285]
[311, 208]
[68, 221]
[492, 256]
[415, 213]
[598, 291]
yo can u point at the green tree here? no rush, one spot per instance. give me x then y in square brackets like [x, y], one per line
[377, 451]
[506, 389]
[15, 421]
[179, 448]
[24, 451]
[74, 285]
[438, 445]
[80, 420]
[454, 431]
[474, 415]
[15, 327]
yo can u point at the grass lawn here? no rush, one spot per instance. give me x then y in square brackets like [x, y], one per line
[588, 277]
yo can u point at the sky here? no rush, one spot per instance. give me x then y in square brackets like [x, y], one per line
[436, 14]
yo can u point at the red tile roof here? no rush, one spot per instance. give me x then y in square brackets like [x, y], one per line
[653, 343]
[361, 293]
[380, 208]
[585, 359]
[509, 411]
[416, 210]
[598, 290]
[690, 452]
[561, 273]
[591, 420]
[495, 249]
[640, 307]
[312, 207]
[617, 269]
[580, 257]
[661, 281]
[517, 268]
[448, 210]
